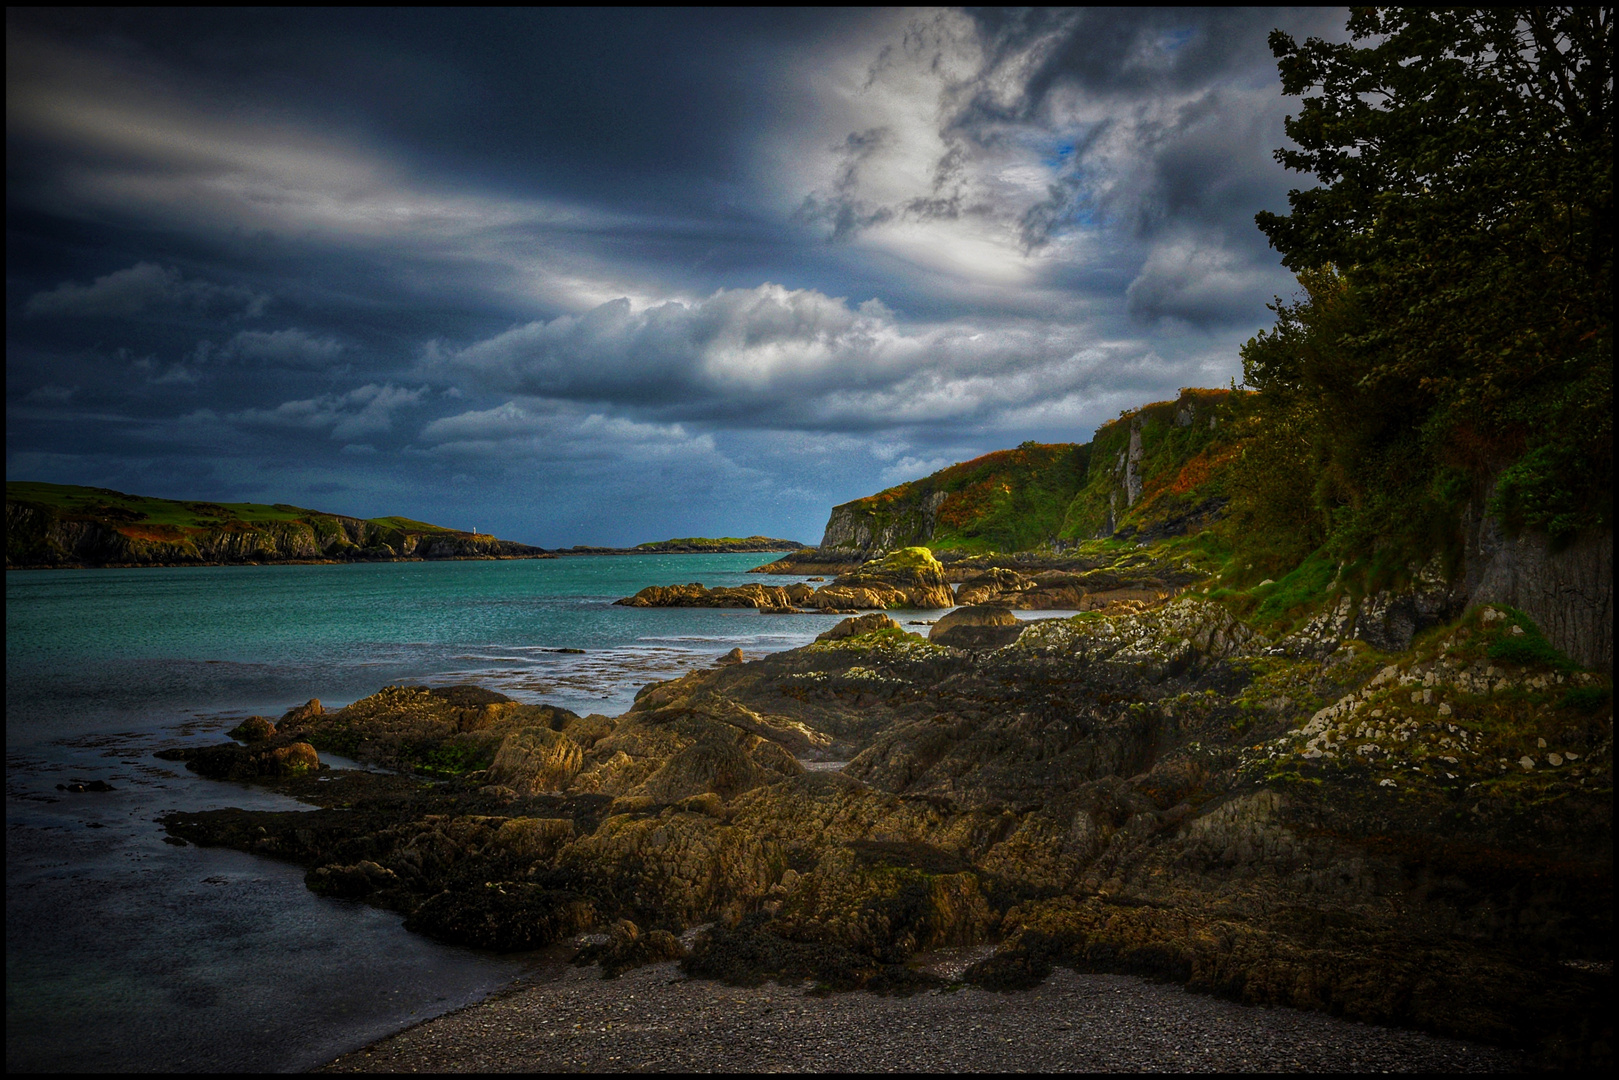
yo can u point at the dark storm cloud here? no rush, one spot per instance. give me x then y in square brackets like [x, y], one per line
[586, 274]
[141, 288]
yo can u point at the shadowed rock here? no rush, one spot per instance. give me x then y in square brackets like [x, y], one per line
[983, 626]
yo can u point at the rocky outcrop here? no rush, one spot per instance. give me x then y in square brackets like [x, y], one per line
[1059, 590]
[759, 597]
[867, 528]
[857, 625]
[907, 578]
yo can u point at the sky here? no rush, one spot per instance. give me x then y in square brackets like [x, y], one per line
[603, 277]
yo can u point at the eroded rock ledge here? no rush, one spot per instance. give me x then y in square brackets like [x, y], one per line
[1421, 838]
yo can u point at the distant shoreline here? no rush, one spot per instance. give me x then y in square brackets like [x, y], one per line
[557, 554]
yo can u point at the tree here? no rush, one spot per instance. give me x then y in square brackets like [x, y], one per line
[1464, 225]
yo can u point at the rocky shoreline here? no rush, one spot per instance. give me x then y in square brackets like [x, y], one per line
[1419, 839]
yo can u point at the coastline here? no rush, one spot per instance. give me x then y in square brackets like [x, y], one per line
[653, 1019]
[275, 562]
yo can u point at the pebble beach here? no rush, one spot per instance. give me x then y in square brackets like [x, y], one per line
[653, 1019]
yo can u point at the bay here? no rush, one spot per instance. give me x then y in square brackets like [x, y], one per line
[127, 953]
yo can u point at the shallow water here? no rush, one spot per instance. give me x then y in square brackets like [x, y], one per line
[127, 953]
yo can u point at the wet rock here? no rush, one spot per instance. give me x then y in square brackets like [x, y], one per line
[253, 730]
[733, 657]
[266, 760]
[350, 882]
[82, 786]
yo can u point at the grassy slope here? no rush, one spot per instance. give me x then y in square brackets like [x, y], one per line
[1009, 500]
[135, 511]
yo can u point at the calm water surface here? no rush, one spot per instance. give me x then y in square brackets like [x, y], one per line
[126, 953]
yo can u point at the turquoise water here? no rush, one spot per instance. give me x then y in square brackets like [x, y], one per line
[99, 650]
[126, 953]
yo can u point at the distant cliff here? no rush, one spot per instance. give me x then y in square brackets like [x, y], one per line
[1010, 500]
[1156, 471]
[60, 525]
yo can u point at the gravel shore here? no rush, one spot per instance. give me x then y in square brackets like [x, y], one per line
[653, 1019]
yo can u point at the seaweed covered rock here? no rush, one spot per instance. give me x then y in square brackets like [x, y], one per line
[268, 759]
[627, 947]
[254, 729]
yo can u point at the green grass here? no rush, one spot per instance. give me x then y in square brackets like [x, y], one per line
[1528, 648]
[119, 508]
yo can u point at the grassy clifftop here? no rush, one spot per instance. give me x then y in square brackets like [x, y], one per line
[68, 525]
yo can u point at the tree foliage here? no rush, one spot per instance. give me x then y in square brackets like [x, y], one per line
[1455, 330]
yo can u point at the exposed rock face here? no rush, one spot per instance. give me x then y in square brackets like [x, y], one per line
[1567, 591]
[980, 627]
[852, 525]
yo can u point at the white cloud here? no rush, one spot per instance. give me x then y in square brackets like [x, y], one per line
[360, 411]
[553, 430]
[913, 468]
[140, 288]
[775, 357]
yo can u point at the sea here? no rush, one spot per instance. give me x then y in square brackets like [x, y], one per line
[125, 953]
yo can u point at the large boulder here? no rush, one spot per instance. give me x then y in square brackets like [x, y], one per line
[856, 625]
[983, 626]
[907, 578]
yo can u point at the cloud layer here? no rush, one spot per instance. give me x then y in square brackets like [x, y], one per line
[589, 274]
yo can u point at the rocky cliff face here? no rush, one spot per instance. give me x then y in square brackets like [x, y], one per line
[864, 527]
[1567, 590]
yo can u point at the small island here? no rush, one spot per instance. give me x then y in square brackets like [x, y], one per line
[694, 545]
